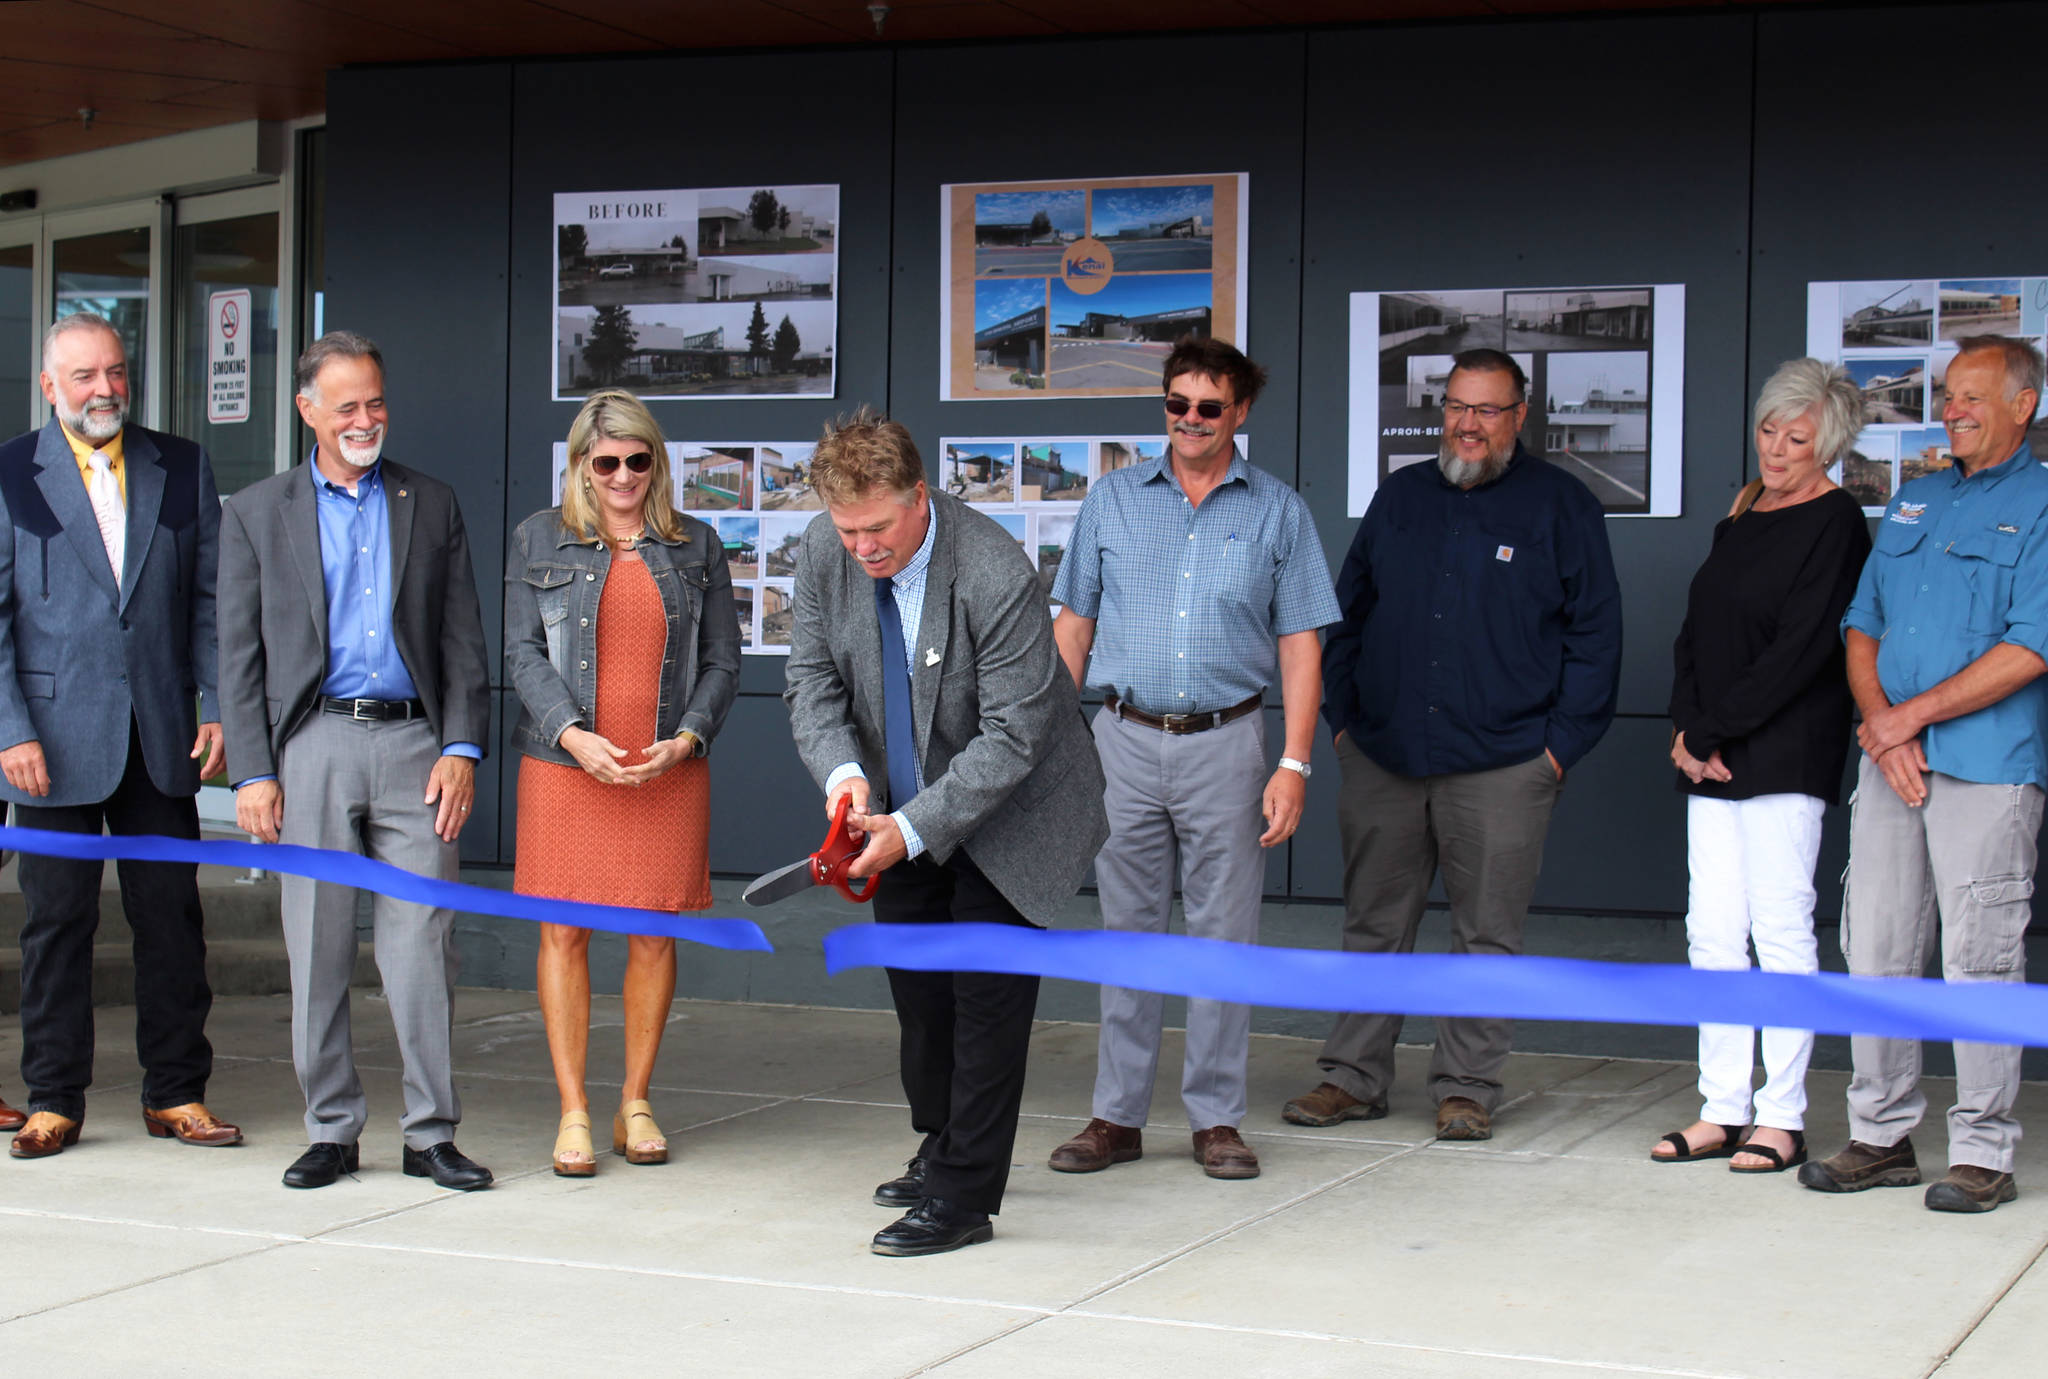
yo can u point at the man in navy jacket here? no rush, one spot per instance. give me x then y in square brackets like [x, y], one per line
[1477, 661]
[108, 721]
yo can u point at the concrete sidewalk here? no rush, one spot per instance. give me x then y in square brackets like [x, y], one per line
[1555, 1250]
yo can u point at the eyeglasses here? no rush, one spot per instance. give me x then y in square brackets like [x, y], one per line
[639, 462]
[1208, 411]
[1486, 411]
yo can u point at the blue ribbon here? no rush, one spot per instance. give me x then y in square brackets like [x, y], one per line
[1525, 988]
[348, 869]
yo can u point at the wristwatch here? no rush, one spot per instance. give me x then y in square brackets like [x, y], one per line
[1299, 767]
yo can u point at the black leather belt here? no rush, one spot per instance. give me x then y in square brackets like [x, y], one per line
[1182, 722]
[374, 710]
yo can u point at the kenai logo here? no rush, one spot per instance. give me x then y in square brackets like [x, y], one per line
[1089, 267]
[1908, 514]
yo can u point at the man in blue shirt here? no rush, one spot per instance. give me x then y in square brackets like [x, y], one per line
[354, 694]
[1196, 580]
[1477, 662]
[1946, 639]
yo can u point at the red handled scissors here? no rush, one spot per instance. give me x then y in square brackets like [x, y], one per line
[825, 867]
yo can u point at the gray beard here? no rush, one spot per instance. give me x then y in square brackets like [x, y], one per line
[97, 426]
[1472, 473]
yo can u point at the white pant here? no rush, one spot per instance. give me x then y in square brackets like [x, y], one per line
[1752, 879]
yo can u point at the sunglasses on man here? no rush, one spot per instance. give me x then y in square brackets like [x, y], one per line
[639, 462]
[1207, 410]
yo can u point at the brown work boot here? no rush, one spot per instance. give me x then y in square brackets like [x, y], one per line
[1461, 1118]
[1098, 1146]
[1859, 1166]
[1223, 1154]
[1969, 1187]
[1330, 1104]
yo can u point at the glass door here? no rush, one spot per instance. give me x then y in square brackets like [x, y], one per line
[18, 336]
[225, 267]
[111, 261]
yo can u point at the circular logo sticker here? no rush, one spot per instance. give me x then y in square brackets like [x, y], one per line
[1087, 266]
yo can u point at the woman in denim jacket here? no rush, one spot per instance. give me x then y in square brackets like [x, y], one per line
[622, 640]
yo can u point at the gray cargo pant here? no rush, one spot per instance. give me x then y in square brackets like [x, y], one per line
[1965, 857]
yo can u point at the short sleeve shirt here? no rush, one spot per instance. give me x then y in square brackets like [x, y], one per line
[1189, 600]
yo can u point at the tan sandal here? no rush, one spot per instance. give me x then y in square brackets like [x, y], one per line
[573, 1137]
[638, 1118]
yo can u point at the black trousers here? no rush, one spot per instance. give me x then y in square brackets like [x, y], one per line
[965, 1034]
[161, 900]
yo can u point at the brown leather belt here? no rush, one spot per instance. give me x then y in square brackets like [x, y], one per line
[1182, 722]
[375, 710]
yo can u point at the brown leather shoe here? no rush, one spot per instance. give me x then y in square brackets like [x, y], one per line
[1330, 1104]
[1222, 1154]
[1098, 1146]
[191, 1123]
[1969, 1187]
[11, 1119]
[1858, 1166]
[46, 1133]
[1461, 1118]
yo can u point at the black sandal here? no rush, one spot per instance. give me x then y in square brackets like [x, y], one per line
[1779, 1163]
[1687, 1154]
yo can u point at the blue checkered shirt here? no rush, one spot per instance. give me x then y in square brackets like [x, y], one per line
[1189, 600]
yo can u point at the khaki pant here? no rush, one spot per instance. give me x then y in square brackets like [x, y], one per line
[1964, 858]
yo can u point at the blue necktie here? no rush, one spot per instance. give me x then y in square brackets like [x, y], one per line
[900, 737]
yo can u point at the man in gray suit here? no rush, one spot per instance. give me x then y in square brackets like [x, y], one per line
[355, 695]
[922, 657]
[106, 644]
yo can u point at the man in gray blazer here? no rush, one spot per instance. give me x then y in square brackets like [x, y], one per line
[923, 677]
[106, 647]
[356, 699]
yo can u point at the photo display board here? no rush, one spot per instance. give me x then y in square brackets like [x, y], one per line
[1034, 485]
[1896, 337]
[704, 292]
[1078, 288]
[1606, 368]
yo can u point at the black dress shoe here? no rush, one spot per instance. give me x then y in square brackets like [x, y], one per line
[321, 1164]
[933, 1227]
[901, 1194]
[448, 1166]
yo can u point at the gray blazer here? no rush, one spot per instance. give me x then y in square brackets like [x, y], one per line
[78, 655]
[1011, 773]
[273, 613]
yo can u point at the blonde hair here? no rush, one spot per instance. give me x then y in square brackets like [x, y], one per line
[1812, 388]
[615, 414]
[864, 455]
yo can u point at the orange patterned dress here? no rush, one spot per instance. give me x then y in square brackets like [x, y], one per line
[644, 846]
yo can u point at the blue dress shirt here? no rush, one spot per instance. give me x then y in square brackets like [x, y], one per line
[907, 584]
[1960, 564]
[1190, 600]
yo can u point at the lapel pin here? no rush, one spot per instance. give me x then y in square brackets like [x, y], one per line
[401, 493]
[931, 657]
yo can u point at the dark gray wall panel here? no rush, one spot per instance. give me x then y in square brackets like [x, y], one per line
[1811, 68]
[946, 132]
[1639, 176]
[417, 259]
[615, 126]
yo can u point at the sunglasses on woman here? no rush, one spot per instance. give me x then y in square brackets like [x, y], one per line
[639, 462]
[1208, 411]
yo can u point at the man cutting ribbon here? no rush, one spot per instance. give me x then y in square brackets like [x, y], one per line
[922, 656]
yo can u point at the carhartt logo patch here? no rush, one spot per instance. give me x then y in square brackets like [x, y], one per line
[1503, 552]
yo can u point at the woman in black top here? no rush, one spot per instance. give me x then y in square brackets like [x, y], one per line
[1760, 713]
